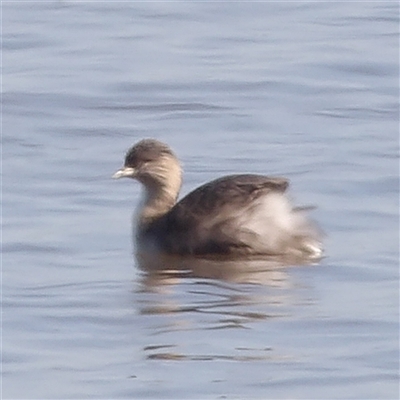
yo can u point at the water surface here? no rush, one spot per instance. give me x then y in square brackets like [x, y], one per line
[302, 89]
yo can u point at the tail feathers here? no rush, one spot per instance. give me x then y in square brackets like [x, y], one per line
[313, 248]
[308, 232]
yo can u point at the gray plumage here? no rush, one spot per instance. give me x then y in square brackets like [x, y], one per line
[236, 215]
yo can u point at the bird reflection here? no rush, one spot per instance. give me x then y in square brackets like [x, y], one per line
[161, 269]
[182, 298]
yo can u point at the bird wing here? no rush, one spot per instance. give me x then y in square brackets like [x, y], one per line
[197, 223]
[231, 191]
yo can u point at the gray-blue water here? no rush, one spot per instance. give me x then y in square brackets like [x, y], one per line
[309, 90]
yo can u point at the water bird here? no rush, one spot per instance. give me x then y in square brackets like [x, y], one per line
[240, 215]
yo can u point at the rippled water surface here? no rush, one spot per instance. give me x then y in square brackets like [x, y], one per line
[309, 90]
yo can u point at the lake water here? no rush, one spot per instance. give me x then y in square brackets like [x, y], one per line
[308, 90]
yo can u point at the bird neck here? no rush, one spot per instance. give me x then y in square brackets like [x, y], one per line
[159, 199]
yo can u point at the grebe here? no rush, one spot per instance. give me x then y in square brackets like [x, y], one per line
[236, 215]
